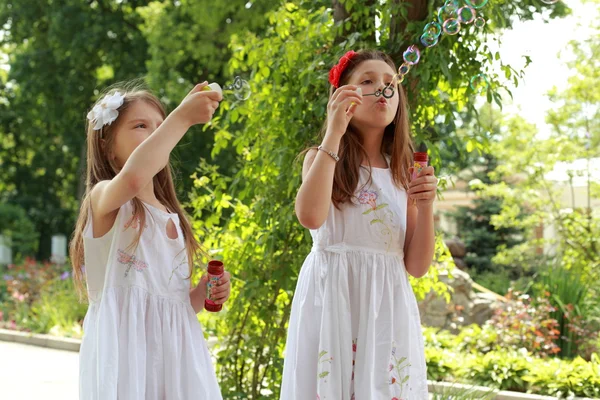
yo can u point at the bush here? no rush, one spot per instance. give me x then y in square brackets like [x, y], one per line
[439, 339]
[18, 228]
[526, 323]
[40, 298]
[563, 379]
[442, 364]
[499, 369]
[506, 369]
[567, 293]
[474, 338]
[499, 281]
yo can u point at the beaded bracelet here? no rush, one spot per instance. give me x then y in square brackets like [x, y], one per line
[331, 153]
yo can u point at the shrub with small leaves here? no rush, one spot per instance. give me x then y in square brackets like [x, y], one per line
[527, 323]
[499, 369]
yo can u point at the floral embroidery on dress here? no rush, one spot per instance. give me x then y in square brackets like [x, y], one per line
[354, 346]
[131, 261]
[323, 361]
[398, 372]
[133, 222]
[369, 197]
[179, 262]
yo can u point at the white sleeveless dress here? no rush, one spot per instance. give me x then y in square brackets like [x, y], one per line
[355, 330]
[142, 339]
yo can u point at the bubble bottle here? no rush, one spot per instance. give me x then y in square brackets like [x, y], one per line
[420, 161]
[215, 273]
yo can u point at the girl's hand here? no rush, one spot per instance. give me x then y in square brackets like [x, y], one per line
[424, 188]
[340, 108]
[199, 105]
[221, 292]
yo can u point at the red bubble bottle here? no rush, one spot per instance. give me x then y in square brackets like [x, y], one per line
[215, 273]
[420, 161]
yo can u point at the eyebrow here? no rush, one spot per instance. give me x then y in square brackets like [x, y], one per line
[142, 120]
[373, 72]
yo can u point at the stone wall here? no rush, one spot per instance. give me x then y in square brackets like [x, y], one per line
[466, 306]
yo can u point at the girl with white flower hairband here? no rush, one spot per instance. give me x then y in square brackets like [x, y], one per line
[354, 331]
[142, 339]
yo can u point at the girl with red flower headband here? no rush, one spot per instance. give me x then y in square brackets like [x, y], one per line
[354, 331]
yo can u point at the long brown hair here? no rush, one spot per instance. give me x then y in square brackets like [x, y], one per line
[397, 142]
[100, 167]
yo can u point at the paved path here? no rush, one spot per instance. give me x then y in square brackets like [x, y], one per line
[32, 373]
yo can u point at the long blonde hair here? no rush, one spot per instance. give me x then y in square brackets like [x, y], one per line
[100, 167]
[397, 142]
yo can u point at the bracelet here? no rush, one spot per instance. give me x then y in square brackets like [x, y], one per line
[331, 153]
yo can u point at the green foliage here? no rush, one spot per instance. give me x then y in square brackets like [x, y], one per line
[40, 298]
[482, 239]
[250, 216]
[499, 281]
[19, 231]
[58, 310]
[569, 261]
[188, 42]
[566, 379]
[501, 370]
[567, 292]
[60, 51]
[449, 358]
[527, 323]
[442, 364]
[462, 392]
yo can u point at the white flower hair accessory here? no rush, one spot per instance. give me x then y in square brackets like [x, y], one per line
[105, 112]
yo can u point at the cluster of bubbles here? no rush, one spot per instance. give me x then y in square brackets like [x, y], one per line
[240, 88]
[450, 17]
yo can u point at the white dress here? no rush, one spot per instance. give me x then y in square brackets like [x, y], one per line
[142, 339]
[355, 330]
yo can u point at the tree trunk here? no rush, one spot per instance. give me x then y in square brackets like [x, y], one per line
[417, 11]
[399, 40]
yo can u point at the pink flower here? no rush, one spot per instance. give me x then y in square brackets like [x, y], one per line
[354, 347]
[368, 197]
[391, 367]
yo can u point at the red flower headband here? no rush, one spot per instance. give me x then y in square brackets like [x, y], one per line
[336, 72]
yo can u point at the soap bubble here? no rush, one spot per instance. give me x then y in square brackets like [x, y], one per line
[451, 26]
[412, 55]
[478, 3]
[480, 22]
[240, 88]
[446, 12]
[428, 40]
[404, 68]
[479, 83]
[466, 15]
[549, 1]
[433, 29]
